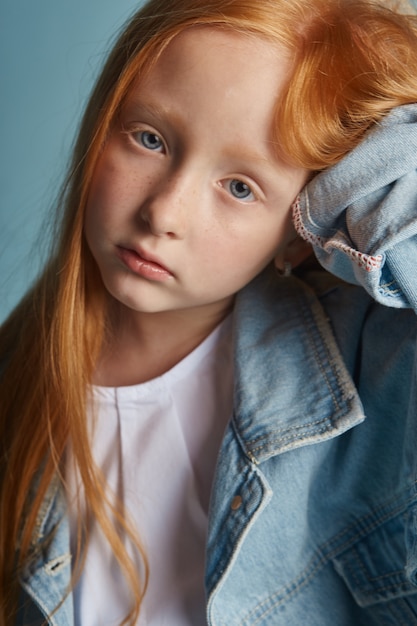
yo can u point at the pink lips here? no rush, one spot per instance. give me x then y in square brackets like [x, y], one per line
[143, 264]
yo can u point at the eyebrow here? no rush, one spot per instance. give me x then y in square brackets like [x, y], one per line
[155, 110]
[246, 155]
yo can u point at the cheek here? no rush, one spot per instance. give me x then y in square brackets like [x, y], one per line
[92, 230]
[102, 194]
[103, 204]
[93, 218]
[264, 244]
[99, 216]
[109, 183]
[238, 258]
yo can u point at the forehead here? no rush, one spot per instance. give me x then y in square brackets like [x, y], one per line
[209, 67]
[214, 50]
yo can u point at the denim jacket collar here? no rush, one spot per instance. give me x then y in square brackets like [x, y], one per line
[287, 338]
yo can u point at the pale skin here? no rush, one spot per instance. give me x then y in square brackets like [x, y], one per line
[190, 200]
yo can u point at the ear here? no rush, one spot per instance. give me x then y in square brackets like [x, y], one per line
[294, 253]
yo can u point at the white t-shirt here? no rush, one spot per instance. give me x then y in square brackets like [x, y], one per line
[157, 444]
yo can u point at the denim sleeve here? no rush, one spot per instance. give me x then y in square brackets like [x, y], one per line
[361, 214]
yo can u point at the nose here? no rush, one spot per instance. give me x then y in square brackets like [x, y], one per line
[165, 210]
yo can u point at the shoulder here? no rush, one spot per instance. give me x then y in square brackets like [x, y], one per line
[375, 341]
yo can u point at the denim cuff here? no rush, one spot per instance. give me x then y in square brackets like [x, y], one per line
[361, 214]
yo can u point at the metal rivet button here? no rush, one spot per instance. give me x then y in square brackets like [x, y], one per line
[236, 503]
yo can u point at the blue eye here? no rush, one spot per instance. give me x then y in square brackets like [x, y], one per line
[241, 190]
[150, 141]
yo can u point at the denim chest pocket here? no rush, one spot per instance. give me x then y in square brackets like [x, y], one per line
[380, 570]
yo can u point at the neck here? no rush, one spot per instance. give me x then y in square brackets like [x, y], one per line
[143, 346]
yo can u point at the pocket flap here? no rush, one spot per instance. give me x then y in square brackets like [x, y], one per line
[383, 565]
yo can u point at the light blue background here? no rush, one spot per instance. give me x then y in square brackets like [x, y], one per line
[50, 52]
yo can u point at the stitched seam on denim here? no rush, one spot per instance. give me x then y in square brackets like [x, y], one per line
[241, 534]
[302, 432]
[319, 358]
[236, 531]
[295, 430]
[383, 576]
[371, 521]
[318, 338]
[323, 556]
[45, 510]
[300, 228]
[359, 564]
[367, 262]
[386, 287]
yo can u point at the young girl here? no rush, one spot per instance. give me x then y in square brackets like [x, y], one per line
[189, 434]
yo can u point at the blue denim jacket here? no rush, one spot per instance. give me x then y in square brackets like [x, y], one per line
[313, 515]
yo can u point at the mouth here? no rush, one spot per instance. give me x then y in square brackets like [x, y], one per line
[144, 264]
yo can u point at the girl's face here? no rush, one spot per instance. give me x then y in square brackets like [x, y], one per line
[189, 200]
